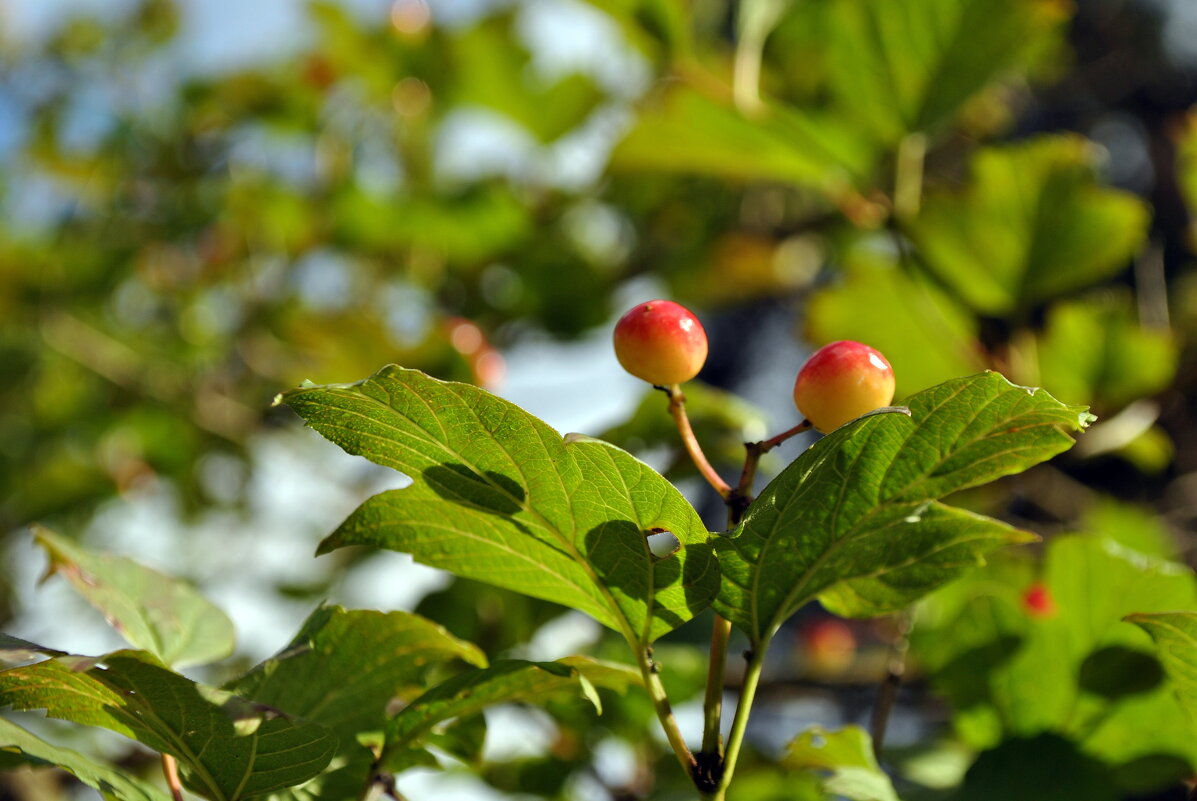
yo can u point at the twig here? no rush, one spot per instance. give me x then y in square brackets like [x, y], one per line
[887, 693]
[170, 769]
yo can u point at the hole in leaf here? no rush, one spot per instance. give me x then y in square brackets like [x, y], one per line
[662, 543]
[818, 741]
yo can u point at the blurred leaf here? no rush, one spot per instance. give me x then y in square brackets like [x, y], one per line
[847, 755]
[506, 681]
[906, 67]
[1094, 350]
[514, 505]
[855, 520]
[154, 612]
[684, 130]
[109, 780]
[227, 747]
[1032, 224]
[923, 332]
[493, 70]
[1032, 673]
[1175, 637]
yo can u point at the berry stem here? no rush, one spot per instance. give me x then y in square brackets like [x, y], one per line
[677, 408]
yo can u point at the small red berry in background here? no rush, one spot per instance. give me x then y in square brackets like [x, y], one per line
[1038, 601]
[661, 342]
[829, 646]
[840, 382]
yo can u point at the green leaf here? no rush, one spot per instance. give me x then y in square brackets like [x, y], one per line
[1094, 350]
[1175, 636]
[499, 497]
[154, 612]
[506, 681]
[1032, 224]
[904, 67]
[344, 667]
[847, 755]
[684, 130]
[228, 748]
[110, 781]
[855, 518]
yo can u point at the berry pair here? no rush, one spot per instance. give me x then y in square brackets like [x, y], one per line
[664, 344]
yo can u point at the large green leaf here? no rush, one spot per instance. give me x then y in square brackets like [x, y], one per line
[1032, 224]
[154, 612]
[1075, 669]
[855, 518]
[507, 681]
[1175, 636]
[685, 130]
[344, 667]
[904, 67]
[227, 747]
[498, 496]
[110, 781]
[845, 758]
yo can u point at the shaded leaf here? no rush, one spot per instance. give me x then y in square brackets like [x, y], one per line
[1032, 224]
[1175, 636]
[847, 757]
[109, 780]
[855, 517]
[228, 748]
[154, 612]
[498, 496]
[506, 681]
[345, 666]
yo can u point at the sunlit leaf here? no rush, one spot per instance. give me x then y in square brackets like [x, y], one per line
[855, 518]
[500, 497]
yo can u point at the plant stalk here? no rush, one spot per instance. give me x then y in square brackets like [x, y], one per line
[656, 691]
[735, 739]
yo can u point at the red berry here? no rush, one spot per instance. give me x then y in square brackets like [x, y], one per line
[1038, 601]
[661, 342]
[842, 381]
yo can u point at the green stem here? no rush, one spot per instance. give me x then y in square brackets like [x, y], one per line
[908, 176]
[735, 739]
[656, 691]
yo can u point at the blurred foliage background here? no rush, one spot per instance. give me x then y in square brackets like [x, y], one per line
[964, 184]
